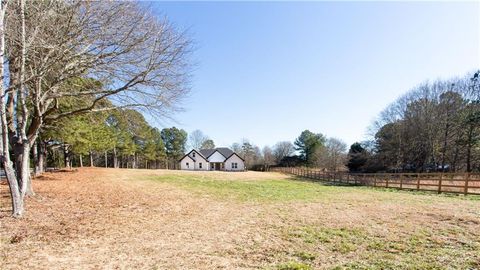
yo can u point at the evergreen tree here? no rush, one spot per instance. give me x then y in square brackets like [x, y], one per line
[357, 157]
[175, 142]
[308, 143]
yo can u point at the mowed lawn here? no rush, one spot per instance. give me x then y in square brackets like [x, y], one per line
[157, 219]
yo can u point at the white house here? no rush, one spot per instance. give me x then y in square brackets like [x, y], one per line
[218, 159]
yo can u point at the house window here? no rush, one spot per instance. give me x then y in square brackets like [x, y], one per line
[188, 165]
[193, 154]
[234, 165]
[200, 165]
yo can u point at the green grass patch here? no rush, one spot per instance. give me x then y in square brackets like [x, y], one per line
[293, 189]
[250, 190]
[305, 256]
[292, 265]
[433, 248]
[341, 240]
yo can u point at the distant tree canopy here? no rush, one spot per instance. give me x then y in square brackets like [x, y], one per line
[283, 149]
[434, 127]
[332, 156]
[208, 144]
[196, 139]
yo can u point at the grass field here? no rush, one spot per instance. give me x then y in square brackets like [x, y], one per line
[124, 219]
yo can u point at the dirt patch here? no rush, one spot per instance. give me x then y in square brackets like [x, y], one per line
[109, 219]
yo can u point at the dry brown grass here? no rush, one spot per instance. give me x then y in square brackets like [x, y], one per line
[101, 219]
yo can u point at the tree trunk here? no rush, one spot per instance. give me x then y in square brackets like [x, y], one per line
[91, 159]
[66, 156]
[26, 171]
[17, 201]
[22, 117]
[22, 167]
[106, 159]
[80, 157]
[445, 143]
[469, 148]
[115, 159]
[41, 157]
[36, 169]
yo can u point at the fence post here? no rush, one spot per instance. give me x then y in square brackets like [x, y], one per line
[401, 181]
[466, 183]
[387, 182]
[375, 180]
[418, 182]
[440, 183]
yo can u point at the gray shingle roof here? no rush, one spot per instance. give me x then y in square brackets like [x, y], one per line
[206, 152]
[226, 152]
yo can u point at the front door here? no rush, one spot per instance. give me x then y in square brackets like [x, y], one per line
[218, 166]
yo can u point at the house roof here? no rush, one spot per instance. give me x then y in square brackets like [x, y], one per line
[224, 151]
[206, 153]
[235, 154]
[188, 155]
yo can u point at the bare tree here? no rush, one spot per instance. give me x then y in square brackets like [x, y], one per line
[89, 51]
[333, 156]
[208, 144]
[432, 127]
[283, 149]
[268, 157]
[17, 201]
[196, 139]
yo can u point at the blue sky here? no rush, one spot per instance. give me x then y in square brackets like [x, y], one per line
[268, 70]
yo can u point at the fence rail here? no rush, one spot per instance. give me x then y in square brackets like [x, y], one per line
[464, 183]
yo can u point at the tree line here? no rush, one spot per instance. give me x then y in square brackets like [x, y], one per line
[309, 149]
[435, 127]
[119, 138]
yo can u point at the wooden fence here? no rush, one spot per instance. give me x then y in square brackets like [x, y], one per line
[463, 183]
